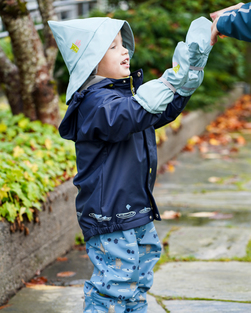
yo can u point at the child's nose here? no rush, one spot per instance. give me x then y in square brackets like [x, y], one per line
[125, 50]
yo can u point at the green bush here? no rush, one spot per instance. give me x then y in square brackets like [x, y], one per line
[34, 159]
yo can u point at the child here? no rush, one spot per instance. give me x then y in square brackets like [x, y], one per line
[112, 118]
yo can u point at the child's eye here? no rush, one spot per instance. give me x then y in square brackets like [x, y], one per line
[113, 47]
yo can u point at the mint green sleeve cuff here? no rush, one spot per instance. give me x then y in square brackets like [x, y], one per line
[154, 96]
[194, 81]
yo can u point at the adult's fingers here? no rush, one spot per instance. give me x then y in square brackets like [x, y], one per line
[214, 32]
[215, 14]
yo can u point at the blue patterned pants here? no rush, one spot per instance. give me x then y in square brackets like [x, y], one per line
[123, 263]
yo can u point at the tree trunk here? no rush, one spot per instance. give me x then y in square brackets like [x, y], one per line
[38, 92]
[50, 47]
[22, 32]
[9, 77]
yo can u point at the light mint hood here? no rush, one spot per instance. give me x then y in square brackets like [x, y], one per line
[84, 42]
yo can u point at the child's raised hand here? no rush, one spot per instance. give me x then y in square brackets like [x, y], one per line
[198, 40]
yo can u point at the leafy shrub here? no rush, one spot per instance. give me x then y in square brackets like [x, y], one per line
[34, 159]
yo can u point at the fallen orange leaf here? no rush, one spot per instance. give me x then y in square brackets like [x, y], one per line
[214, 142]
[241, 140]
[66, 274]
[38, 281]
[246, 97]
[43, 287]
[221, 216]
[80, 248]
[62, 259]
[203, 149]
[203, 214]
[188, 148]
[214, 179]
[170, 168]
[85, 256]
[234, 149]
[193, 140]
[247, 125]
[5, 306]
[169, 215]
[212, 156]
[31, 285]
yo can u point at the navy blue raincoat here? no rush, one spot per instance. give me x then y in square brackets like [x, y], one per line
[116, 154]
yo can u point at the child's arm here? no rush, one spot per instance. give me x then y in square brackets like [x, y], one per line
[198, 41]
[155, 95]
[113, 118]
[172, 111]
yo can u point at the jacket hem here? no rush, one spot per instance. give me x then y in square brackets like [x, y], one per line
[97, 230]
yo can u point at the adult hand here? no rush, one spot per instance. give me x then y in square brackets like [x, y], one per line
[215, 16]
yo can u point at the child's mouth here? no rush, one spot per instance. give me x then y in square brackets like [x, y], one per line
[125, 62]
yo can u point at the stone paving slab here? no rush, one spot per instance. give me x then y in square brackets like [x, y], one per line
[205, 280]
[49, 300]
[153, 305]
[193, 170]
[55, 299]
[77, 261]
[209, 242]
[221, 200]
[187, 306]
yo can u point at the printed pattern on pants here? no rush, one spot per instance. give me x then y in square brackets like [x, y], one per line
[123, 263]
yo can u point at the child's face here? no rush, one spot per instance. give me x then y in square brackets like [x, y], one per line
[116, 62]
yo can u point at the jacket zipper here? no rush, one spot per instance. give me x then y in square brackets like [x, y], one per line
[131, 85]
